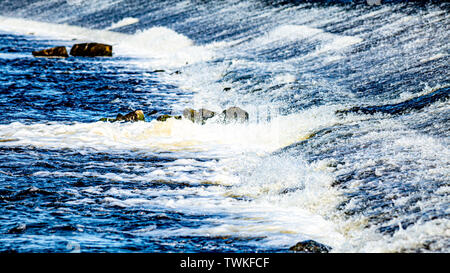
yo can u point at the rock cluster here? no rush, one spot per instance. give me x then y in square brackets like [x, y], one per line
[77, 50]
[232, 114]
[199, 116]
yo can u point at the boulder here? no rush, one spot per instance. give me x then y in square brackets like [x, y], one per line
[91, 50]
[189, 114]
[166, 117]
[203, 114]
[132, 116]
[234, 114]
[199, 116]
[54, 52]
[310, 246]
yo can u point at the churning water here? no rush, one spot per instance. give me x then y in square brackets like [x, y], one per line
[347, 142]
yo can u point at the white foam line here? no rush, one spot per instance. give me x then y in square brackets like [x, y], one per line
[162, 46]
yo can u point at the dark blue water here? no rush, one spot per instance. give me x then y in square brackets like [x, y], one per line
[347, 142]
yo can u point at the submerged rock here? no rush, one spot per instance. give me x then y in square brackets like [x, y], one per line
[310, 246]
[20, 228]
[91, 50]
[234, 114]
[54, 52]
[199, 116]
[132, 116]
[166, 117]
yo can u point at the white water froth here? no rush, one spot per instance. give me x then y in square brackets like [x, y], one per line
[162, 47]
[244, 184]
[124, 22]
[174, 134]
[282, 197]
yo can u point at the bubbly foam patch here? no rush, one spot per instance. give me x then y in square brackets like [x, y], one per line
[161, 46]
[173, 134]
[124, 22]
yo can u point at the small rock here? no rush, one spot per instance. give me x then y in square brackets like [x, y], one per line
[199, 116]
[18, 229]
[54, 52]
[203, 114]
[310, 246]
[166, 117]
[152, 112]
[189, 114]
[91, 50]
[234, 114]
[132, 116]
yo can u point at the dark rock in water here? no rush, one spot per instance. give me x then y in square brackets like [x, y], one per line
[234, 114]
[91, 50]
[18, 229]
[310, 246]
[199, 116]
[132, 116]
[54, 52]
[166, 117]
[152, 112]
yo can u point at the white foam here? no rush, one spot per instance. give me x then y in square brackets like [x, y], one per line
[244, 170]
[58, 31]
[165, 46]
[124, 22]
[172, 135]
[161, 46]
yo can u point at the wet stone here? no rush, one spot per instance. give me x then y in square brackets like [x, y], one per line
[235, 114]
[137, 115]
[91, 50]
[199, 116]
[166, 117]
[54, 52]
[20, 228]
[310, 246]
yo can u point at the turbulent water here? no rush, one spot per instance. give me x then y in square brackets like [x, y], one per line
[347, 141]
